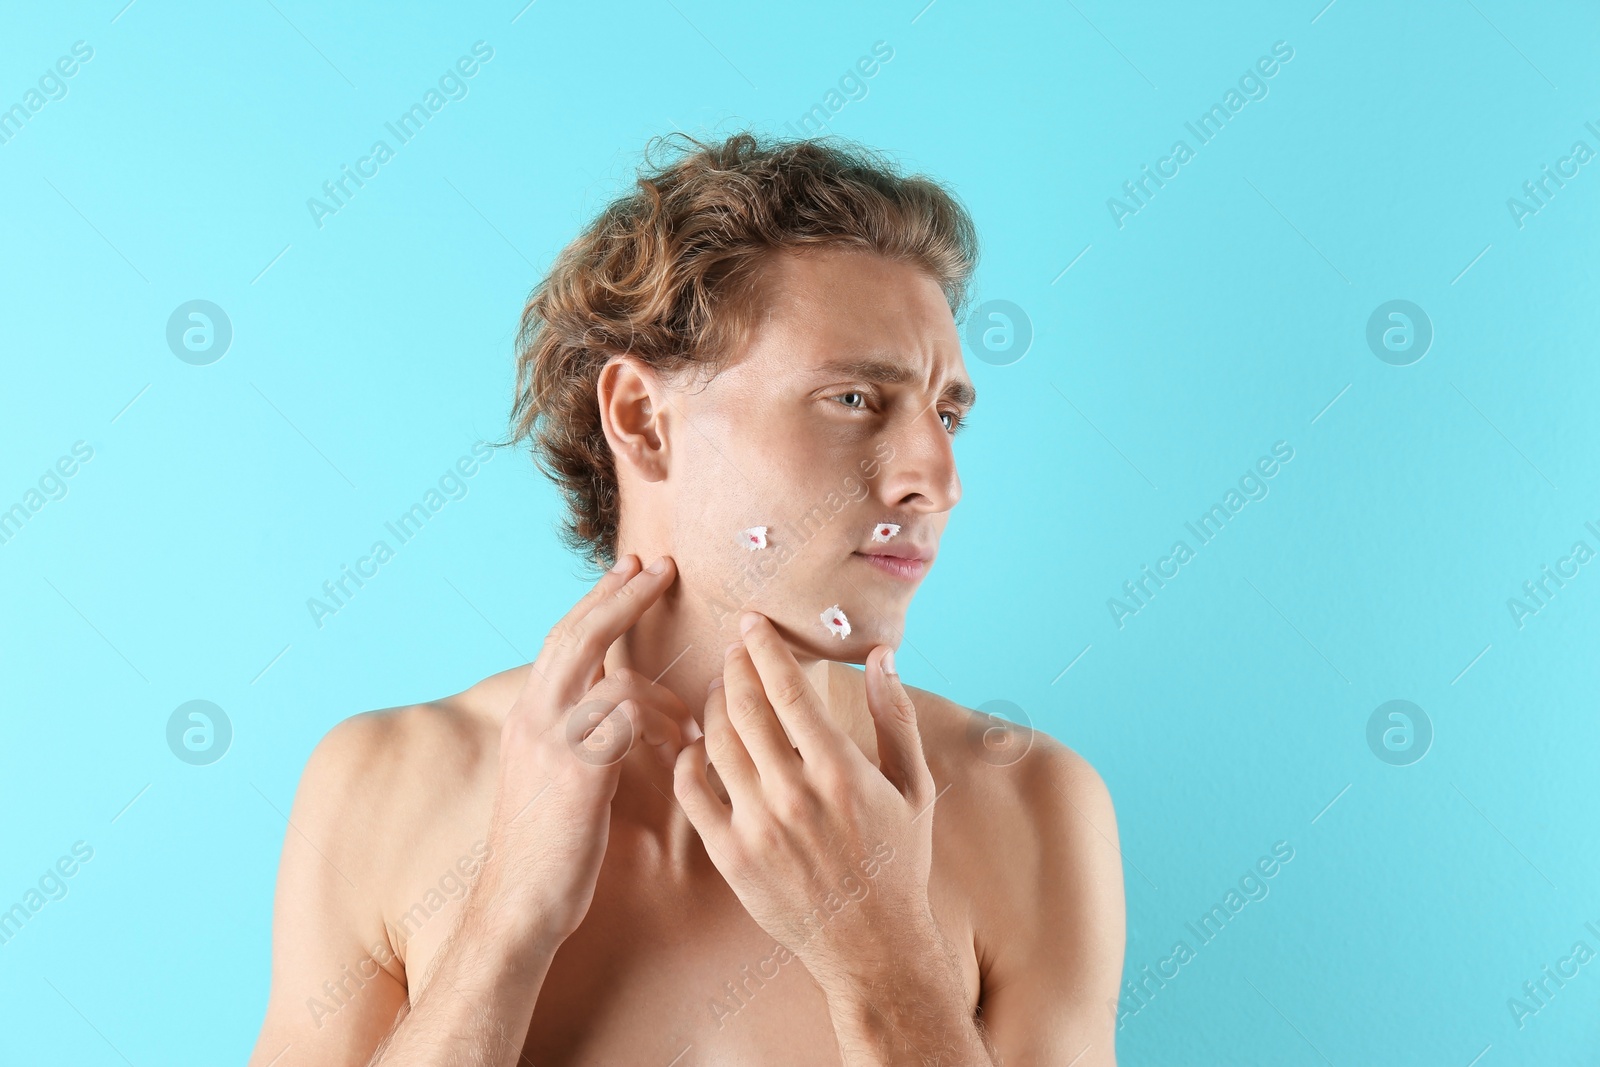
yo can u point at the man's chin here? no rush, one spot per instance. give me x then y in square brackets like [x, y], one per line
[853, 647]
[846, 632]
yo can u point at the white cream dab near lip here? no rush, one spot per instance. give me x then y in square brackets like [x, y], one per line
[884, 531]
[835, 621]
[753, 538]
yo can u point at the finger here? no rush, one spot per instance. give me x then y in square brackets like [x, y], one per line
[753, 717]
[627, 683]
[709, 815]
[659, 728]
[788, 691]
[661, 719]
[626, 568]
[727, 751]
[894, 716]
[661, 732]
[603, 742]
[575, 650]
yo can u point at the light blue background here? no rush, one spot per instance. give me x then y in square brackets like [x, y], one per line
[1226, 315]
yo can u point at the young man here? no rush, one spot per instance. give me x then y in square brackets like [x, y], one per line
[690, 832]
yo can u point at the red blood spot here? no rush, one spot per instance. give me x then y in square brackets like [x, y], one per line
[836, 621]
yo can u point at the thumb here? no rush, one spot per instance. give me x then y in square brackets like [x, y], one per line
[894, 716]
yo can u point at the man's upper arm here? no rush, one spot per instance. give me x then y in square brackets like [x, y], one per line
[1050, 994]
[336, 986]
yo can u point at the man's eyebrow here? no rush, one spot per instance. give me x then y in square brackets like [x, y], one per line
[887, 372]
[961, 392]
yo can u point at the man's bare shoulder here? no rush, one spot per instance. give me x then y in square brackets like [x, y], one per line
[1010, 764]
[1017, 796]
[389, 746]
[1028, 828]
[397, 774]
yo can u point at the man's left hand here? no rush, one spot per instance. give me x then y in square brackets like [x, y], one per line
[828, 853]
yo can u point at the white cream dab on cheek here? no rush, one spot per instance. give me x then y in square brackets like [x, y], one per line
[884, 531]
[754, 538]
[835, 621]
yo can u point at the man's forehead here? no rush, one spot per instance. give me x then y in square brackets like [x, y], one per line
[849, 313]
[854, 280]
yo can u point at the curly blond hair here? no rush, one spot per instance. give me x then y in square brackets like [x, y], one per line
[668, 273]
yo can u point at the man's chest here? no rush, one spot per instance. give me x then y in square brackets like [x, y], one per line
[671, 970]
[704, 986]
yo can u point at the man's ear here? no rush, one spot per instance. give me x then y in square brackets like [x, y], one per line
[633, 413]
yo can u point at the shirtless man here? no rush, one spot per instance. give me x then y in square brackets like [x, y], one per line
[691, 832]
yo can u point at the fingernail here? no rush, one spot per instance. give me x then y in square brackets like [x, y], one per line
[715, 682]
[731, 646]
[658, 566]
[622, 564]
[888, 662]
[747, 620]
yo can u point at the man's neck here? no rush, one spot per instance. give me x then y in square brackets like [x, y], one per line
[681, 647]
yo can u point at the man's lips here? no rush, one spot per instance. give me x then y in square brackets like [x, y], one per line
[900, 552]
[899, 561]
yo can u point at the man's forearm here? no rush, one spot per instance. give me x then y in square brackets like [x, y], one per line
[910, 1024]
[916, 1015]
[478, 1001]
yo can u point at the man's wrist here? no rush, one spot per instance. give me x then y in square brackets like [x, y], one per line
[916, 987]
[912, 950]
[514, 941]
[909, 1007]
[920, 1017]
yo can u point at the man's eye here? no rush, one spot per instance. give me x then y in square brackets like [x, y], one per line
[955, 423]
[853, 392]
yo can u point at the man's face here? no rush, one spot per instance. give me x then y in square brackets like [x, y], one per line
[836, 419]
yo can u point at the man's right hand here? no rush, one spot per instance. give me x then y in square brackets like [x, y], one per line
[547, 832]
[561, 751]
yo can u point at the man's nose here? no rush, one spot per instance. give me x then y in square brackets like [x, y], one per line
[921, 475]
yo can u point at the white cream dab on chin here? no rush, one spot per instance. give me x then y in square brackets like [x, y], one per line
[835, 621]
[884, 531]
[753, 538]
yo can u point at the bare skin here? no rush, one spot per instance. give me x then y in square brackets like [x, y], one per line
[806, 864]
